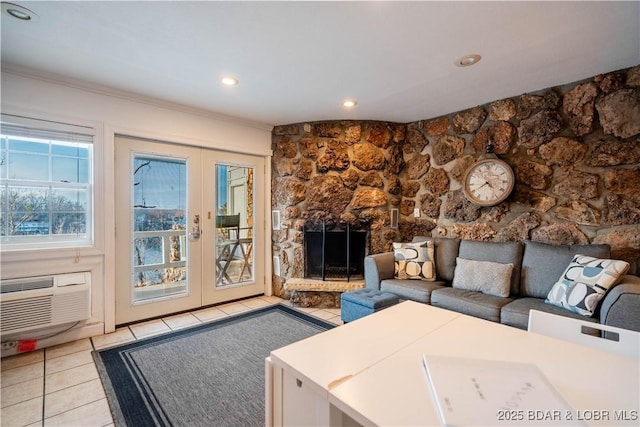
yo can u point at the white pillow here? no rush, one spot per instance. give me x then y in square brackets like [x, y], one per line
[584, 283]
[491, 278]
[414, 261]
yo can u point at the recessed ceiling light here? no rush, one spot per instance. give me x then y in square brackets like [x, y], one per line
[18, 12]
[467, 60]
[349, 103]
[229, 81]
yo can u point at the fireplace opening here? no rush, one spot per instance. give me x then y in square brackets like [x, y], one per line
[334, 254]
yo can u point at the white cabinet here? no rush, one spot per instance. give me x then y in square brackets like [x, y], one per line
[292, 401]
[303, 406]
[371, 370]
[299, 377]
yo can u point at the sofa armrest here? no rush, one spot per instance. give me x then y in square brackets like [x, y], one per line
[621, 304]
[377, 268]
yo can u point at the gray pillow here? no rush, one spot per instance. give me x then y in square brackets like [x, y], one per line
[491, 278]
[500, 252]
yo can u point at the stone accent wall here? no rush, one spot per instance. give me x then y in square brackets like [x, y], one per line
[575, 151]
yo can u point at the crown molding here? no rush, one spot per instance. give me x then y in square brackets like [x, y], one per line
[129, 96]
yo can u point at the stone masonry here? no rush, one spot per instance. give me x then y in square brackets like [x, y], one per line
[575, 151]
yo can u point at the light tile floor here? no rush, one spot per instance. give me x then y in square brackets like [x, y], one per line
[59, 386]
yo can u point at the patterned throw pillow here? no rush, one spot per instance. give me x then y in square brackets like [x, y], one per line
[414, 261]
[584, 283]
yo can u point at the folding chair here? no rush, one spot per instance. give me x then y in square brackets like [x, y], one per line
[608, 338]
[227, 242]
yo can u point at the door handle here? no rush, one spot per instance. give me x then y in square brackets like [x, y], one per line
[195, 231]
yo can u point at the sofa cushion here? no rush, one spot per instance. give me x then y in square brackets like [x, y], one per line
[414, 261]
[469, 302]
[488, 277]
[625, 297]
[542, 264]
[415, 290]
[516, 313]
[503, 253]
[584, 283]
[446, 251]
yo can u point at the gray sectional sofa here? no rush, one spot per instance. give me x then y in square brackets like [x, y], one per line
[536, 268]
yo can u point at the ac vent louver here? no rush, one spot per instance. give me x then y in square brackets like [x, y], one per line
[26, 313]
[28, 285]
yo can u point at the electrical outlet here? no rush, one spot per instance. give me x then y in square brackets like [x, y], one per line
[416, 212]
[8, 345]
[275, 220]
[276, 265]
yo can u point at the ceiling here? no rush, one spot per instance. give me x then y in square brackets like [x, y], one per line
[298, 61]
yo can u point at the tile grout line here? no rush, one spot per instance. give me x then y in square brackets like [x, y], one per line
[44, 394]
[93, 347]
[73, 385]
[44, 384]
[77, 407]
[136, 338]
[167, 325]
[102, 385]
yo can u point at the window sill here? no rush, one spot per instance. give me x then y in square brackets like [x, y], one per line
[18, 255]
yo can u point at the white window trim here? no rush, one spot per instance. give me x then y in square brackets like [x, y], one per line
[68, 124]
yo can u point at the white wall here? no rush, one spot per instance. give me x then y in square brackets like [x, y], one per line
[112, 113]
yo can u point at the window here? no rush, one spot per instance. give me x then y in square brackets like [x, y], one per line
[46, 184]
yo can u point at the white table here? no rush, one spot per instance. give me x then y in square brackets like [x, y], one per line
[326, 359]
[369, 372]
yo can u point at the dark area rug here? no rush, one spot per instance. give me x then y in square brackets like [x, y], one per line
[207, 375]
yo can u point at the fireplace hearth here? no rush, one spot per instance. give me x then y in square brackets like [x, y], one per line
[334, 253]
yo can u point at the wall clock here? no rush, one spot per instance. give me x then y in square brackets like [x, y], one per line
[488, 182]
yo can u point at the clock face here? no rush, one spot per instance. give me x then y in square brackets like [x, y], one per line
[488, 182]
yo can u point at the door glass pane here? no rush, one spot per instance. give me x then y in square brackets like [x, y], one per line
[159, 228]
[234, 225]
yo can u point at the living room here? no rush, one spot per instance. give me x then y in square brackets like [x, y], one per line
[575, 183]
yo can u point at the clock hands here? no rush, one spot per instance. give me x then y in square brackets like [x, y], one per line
[488, 182]
[493, 183]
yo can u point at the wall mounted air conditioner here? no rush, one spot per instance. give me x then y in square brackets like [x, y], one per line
[39, 302]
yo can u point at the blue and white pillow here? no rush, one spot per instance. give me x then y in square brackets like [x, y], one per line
[414, 261]
[584, 283]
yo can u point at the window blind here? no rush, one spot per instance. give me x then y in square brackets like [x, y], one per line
[31, 128]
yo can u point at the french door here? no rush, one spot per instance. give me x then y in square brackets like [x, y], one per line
[189, 228]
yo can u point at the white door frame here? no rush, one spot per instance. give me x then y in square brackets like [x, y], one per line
[262, 179]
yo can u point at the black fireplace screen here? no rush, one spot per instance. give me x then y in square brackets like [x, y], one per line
[334, 254]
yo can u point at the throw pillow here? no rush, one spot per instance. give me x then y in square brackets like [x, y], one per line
[491, 278]
[414, 261]
[584, 283]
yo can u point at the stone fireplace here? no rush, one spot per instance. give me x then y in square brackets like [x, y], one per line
[331, 260]
[575, 151]
[334, 253]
